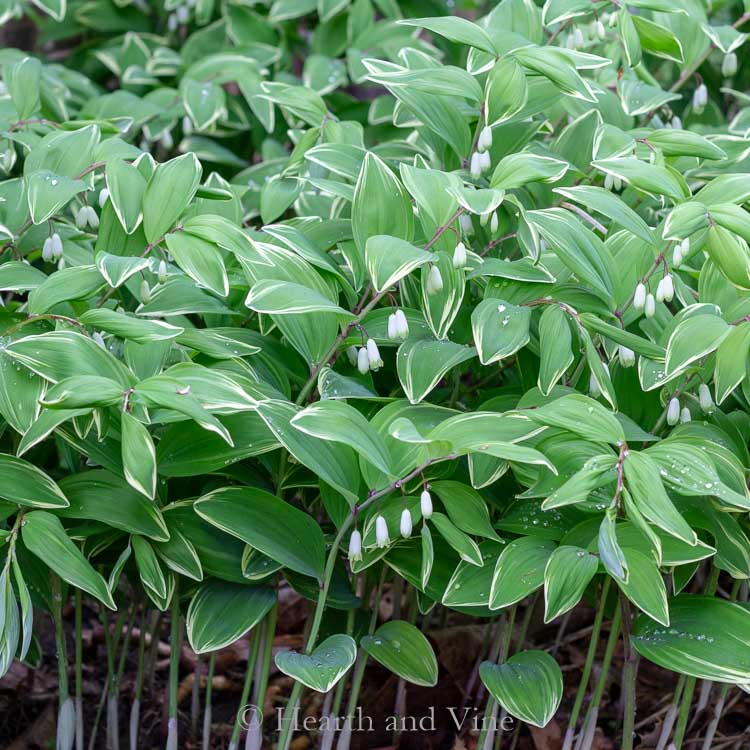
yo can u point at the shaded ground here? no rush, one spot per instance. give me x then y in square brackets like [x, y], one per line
[28, 697]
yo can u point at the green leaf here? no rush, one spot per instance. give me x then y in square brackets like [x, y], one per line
[568, 572]
[267, 523]
[555, 345]
[528, 686]
[200, 260]
[520, 169]
[519, 570]
[651, 179]
[500, 329]
[422, 364]
[694, 337]
[457, 29]
[645, 586]
[138, 455]
[48, 192]
[694, 645]
[402, 648]
[150, 571]
[25, 484]
[78, 282]
[462, 543]
[644, 482]
[287, 298]
[82, 391]
[221, 612]
[380, 205]
[23, 81]
[506, 91]
[168, 193]
[45, 537]
[731, 361]
[389, 259]
[581, 415]
[324, 667]
[62, 354]
[338, 422]
[129, 327]
[465, 507]
[126, 187]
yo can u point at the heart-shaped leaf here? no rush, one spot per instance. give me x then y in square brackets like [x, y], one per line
[528, 686]
[324, 667]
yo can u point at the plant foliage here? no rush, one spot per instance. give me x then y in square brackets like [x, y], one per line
[467, 295]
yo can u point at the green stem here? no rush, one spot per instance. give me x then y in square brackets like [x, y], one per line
[62, 651]
[259, 692]
[498, 654]
[359, 670]
[174, 663]
[628, 677]
[252, 658]
[682, 718]
[589, 721]
[588, 665]
[287, 720]
[79, 668]
[208, 709]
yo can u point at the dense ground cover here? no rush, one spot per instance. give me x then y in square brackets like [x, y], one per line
[369, 360]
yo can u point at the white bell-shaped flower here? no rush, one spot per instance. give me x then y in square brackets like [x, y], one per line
[363, 361]
[405, 526]
[425, 504]
[650, 306]
[639, 296]
[434, 281]
[355, 546]
[459, 255]
[705, 399]
[381, 532]
[402, 325]
[673, 411]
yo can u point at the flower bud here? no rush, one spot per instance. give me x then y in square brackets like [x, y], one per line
[685, 415]
[704, 397]
[81, 217]
[61, 264]
[685, 247]
[172, 22]
[494, 222]
[626, 356]
[392, 327]
[48, 254]
[363, 361]
[485, 161]
[425, 504]
[464, 221]
[355, 546]
[406, 524]
[677, 256]
[475, 165]
[485, 138]
[617, 184]
[98, 339]
[402, 325]
[103, 196]
[381, 532]
[676, 123]
[373, 355]
[459, 256]
[484, 218]
[700, 98]
[166, 140]
[92, 218]
[578, 39]
[667, 285]
[145, 292]
[183, 14]
[187, 125]
[351, 353]
[600, 31]
[729, 65]
[162, 273]
[673, 411]
[639, 296]
[609, 181]
[650, 306]
[434, 281]
[57, 246]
